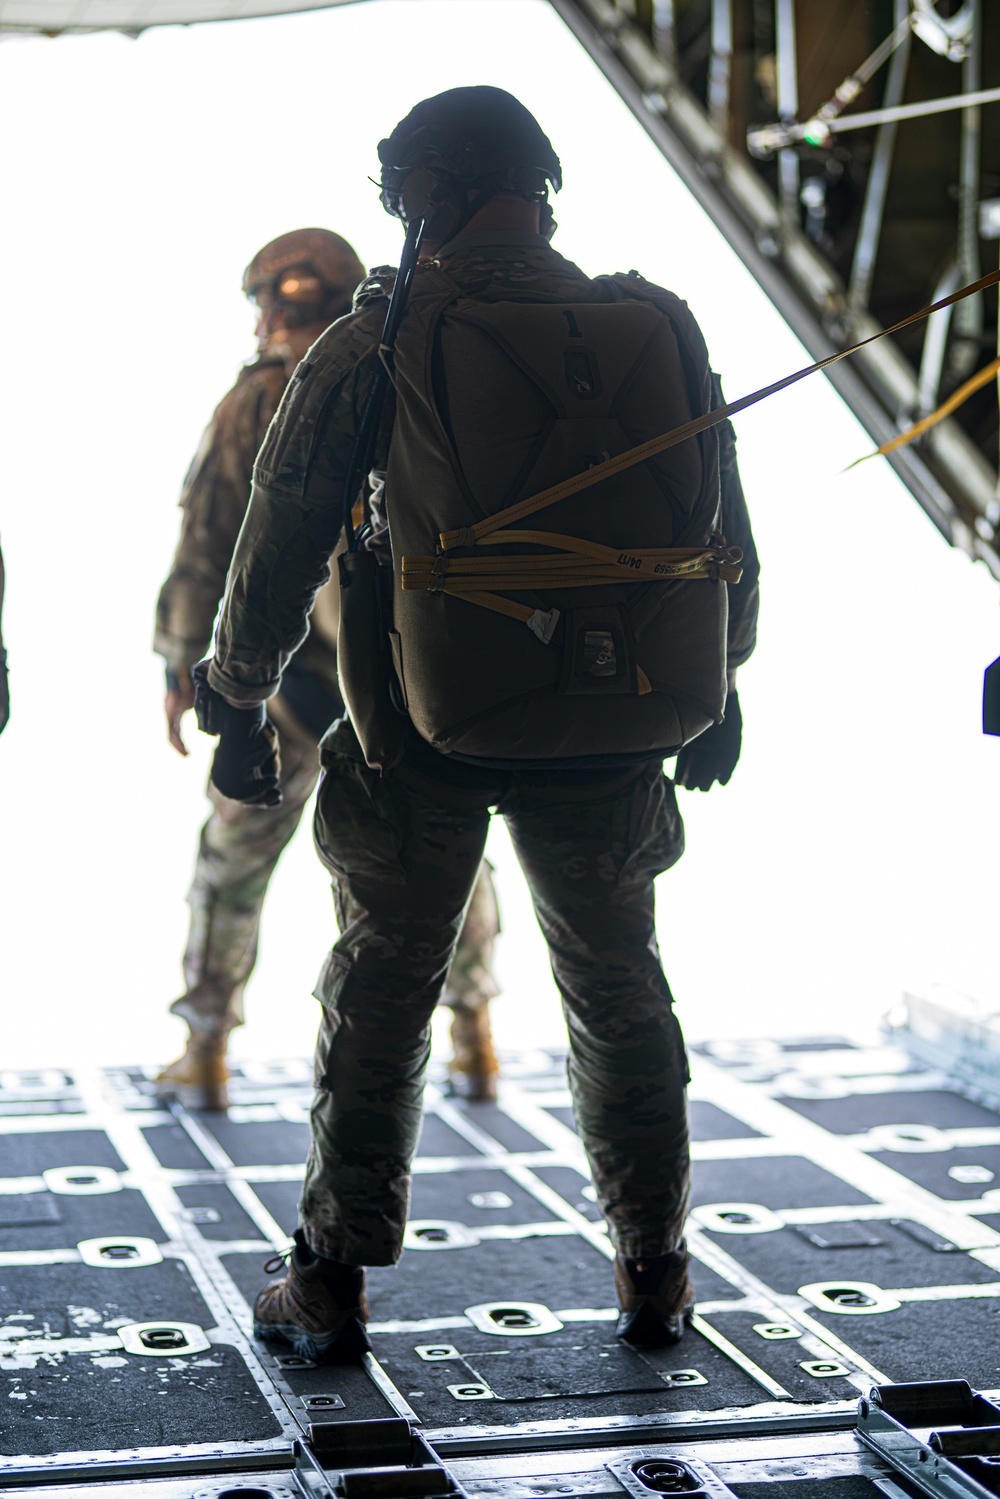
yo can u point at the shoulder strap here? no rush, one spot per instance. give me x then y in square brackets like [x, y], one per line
[363, 452]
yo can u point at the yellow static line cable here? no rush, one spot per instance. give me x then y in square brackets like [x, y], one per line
[475, 535]
[606, 565]
[957, 398]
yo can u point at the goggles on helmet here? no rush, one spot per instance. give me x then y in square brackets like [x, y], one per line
[294, 286]
[461, 162]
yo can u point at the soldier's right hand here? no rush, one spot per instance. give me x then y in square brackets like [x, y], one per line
[179, 699]
[713, 755]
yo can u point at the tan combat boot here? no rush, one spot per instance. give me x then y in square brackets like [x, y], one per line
[198, 1078]
[319, 1309]
[474, 1069]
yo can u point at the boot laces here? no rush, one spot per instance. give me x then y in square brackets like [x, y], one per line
[280, 1260]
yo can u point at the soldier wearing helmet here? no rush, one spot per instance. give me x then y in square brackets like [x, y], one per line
[484, 418]
[299, 283]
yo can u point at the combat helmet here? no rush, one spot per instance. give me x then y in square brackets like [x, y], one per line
[310, 274]
[478, 138]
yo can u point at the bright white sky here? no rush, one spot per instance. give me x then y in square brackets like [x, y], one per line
[850, 856]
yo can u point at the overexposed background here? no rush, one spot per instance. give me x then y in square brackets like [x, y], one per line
[852, 855]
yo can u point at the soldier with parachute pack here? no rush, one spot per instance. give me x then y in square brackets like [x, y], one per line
[538, 609]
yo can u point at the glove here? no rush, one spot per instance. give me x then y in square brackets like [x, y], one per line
[991, 699]
[4, 693]
[245, 767]
[713, 755]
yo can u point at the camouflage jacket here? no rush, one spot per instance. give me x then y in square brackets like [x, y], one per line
[214, 501]
[296, 505]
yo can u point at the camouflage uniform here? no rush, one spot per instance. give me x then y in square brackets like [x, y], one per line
[403, 848]
[403, 853]
[240, 846]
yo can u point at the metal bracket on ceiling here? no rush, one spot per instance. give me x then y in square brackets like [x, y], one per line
[947, 473]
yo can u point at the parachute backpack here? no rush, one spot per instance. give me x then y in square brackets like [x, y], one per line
[547, 609]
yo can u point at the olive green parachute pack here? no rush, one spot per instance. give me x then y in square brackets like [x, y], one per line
[531, 627]
[603, 640]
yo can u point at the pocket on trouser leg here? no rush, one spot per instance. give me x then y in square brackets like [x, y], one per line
[381, 1036]
[357, 826]
[681, 1045]
[332, 978]
[650, 828]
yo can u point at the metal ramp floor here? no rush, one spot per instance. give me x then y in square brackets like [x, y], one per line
[845, 1227]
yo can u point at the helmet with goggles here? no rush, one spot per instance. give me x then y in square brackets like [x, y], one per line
[308, 274]
[454, 152]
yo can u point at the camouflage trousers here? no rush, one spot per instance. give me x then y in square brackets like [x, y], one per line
[404, 860]
[238, 851]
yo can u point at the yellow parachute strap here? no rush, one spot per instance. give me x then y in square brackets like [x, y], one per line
[467, 536]
[646, 562]
[492, 601]
[957, 398]
[588, 564]
[522, 576]
[541, 622]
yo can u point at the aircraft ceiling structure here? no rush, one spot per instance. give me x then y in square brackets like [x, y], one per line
[59, 17]
[850, 153]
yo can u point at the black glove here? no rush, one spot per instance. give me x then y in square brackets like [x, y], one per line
[4, 693]
[246, 767]
[713, 755]
[991, 699]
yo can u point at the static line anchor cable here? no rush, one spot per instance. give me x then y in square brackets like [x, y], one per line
[475, 535]
[957, 398]
[476, 580]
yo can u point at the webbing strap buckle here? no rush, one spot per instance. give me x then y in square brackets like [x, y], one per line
[724, 559]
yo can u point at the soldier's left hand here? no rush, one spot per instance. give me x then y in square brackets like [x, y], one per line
[246, 767]
[713, 755]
